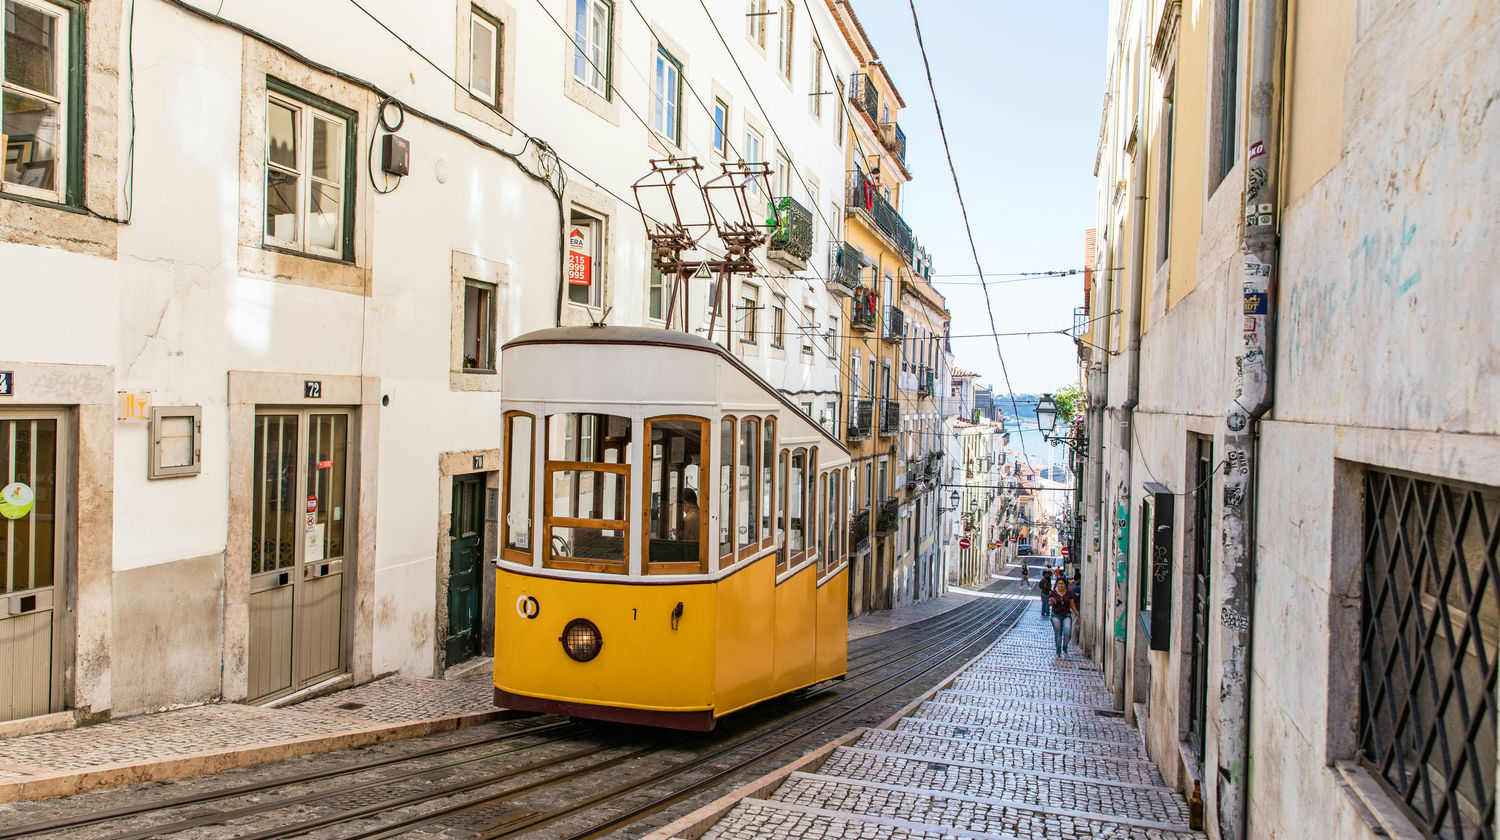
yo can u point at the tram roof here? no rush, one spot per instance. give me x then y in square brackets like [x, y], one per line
[659, 337]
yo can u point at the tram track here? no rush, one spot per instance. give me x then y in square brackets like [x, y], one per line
[933, 644]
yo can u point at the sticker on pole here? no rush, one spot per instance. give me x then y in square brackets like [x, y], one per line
[16, 500]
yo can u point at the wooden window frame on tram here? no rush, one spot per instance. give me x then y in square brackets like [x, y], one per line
[754, 548]
[584, 564]
[794, 563]
[674, 568]
[516, 555]
[837, 558]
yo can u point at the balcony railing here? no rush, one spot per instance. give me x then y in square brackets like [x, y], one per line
[863, 94]
[894, 139]
[859, 530]
[1080, 320]
[865, 198]
[895, 324]
[890, 417]
[860, 415]
[843, 273]
[885, 521]
[866, 316]
[791, 242]
[926, 380]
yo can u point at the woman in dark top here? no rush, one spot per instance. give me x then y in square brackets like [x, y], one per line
[1063, 607]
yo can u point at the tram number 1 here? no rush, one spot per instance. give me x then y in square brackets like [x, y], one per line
[632, 614]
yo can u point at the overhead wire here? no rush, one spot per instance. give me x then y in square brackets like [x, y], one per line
[963, 209]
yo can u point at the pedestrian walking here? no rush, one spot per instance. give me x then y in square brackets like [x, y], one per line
[1045, 587]
[1063, 609]
[1077, 590]
[1025, 574]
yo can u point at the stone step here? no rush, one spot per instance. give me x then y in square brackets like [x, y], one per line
[972, 814]
[1022, 738]
[1066, 761]
[1099, 729]
[1042, 791]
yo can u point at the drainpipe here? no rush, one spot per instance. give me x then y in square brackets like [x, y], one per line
[1252, 400]
[1132, 379]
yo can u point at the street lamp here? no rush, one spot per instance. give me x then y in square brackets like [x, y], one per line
[1046, 415]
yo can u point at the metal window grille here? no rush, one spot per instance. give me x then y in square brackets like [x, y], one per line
[1428, 649]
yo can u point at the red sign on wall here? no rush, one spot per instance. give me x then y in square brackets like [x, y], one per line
[580, 257]
[963, 542]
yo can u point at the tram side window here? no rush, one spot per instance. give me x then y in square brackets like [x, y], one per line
[520, 458]
[767, 476]
[745, 513]
[831, 510]
[674, 523]
[781, 558]
[726, 491]
[797, 506]
[588, 487]
[810, 505]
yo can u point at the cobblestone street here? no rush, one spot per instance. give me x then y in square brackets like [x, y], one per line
[1021, 745]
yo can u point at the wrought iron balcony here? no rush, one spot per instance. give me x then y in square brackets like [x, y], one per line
[847, 262]
[859, 530]
[885, 521]
[861, 412]
[791, 242]
[894, 139]
[863, 94]
[895, 325]
[865, 317]
[866, 200]
[890, 417]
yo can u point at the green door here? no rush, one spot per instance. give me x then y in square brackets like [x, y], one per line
[465, 555]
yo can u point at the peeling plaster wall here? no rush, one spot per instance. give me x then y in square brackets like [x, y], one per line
[1386, 357]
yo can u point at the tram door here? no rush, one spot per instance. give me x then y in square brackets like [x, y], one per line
[300, 525]
[466, 548]
[31, 565]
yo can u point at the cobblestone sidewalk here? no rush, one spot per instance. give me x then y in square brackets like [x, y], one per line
[1021, 746]
[208, 739]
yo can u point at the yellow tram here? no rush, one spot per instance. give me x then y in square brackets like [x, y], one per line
[673, 532]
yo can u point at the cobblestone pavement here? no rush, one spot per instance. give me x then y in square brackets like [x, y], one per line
[231, 727]
[1021, 746]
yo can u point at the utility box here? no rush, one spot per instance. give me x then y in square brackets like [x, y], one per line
[395, 155]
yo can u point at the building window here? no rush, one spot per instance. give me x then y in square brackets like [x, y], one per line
[485, 40]
[752, 155]
[721, 127]
[833, 338]
[1229, 91]
[808, 328]
[479, 327]
[815, 82]
[41, 110]
[1430, 635]
[783, 173]
[1203, 519]
[838, 123]
[1164, 224]
[755, 22]
[778, 322]
[592, 20]
[176, 442]
[784, 57]
[585, 274]
[666, 93]
[749, 304]
[308, 168]
[656, 294]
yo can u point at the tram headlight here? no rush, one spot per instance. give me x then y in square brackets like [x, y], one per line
[581, 640]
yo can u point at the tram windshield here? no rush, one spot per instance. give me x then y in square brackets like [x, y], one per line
[588, 483]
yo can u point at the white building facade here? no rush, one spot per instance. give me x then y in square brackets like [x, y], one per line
[251, 397]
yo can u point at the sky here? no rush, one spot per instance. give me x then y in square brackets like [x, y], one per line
[1020, 85]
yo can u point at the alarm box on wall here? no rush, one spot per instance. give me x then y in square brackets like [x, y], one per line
[395, 155]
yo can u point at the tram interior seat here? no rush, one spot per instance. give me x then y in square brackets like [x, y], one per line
[673, 551]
